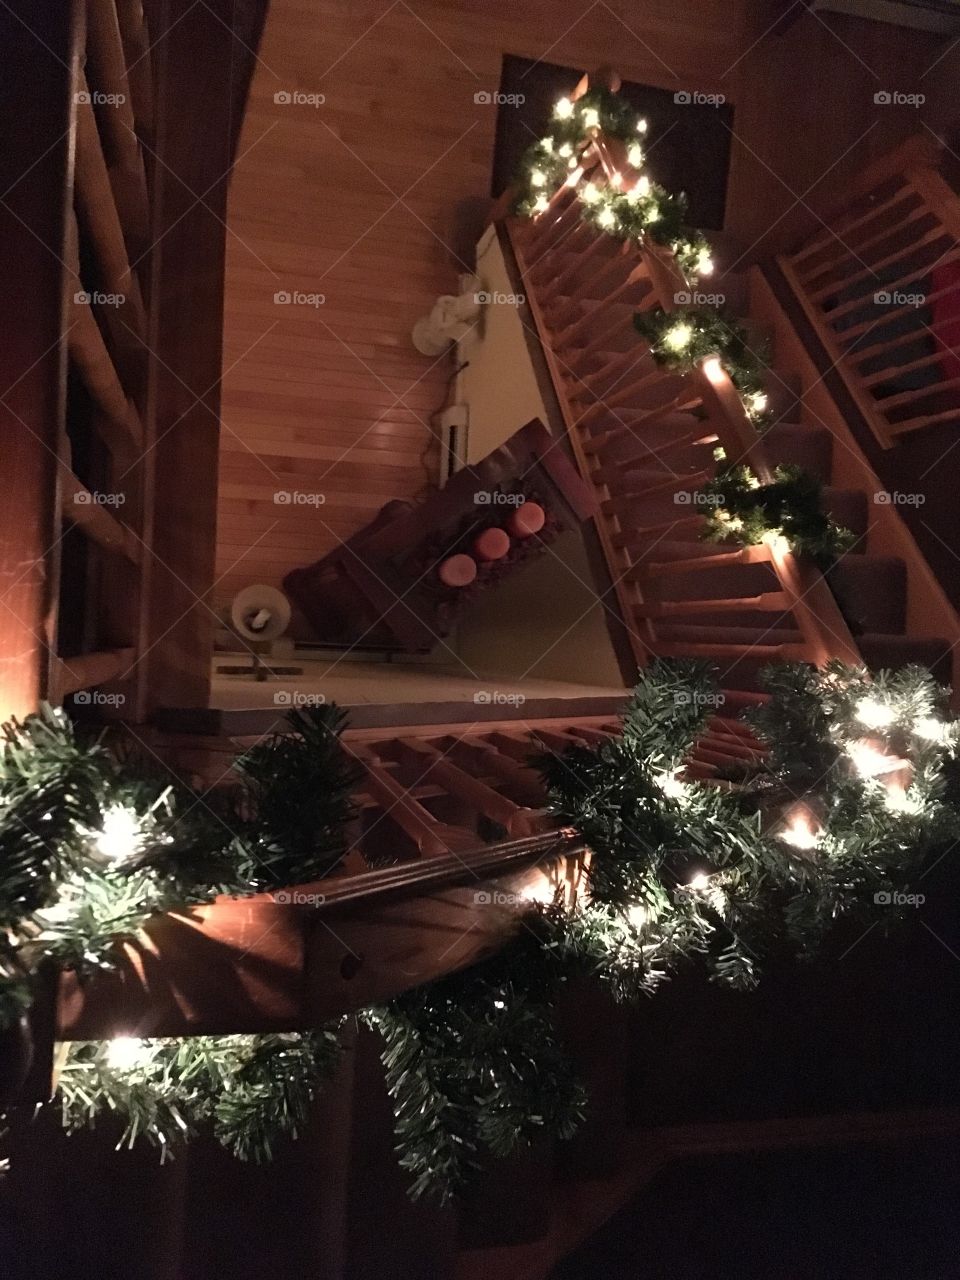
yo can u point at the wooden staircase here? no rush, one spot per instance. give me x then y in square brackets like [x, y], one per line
[646, 438]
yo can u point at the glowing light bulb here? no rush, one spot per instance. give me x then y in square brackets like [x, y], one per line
[547, 144]
[591, 118]
[775, 540]
[869, 762]
[541, 204]
[704, 265]
[572, 164]
[616, 179]
[641, 187]
[800, 831]
[641, 126]
[120, 835]
[699, 883]
[671, 786]
[678, 337]
[499, 1004]
[538, 178]
[590, 193]
[126, 1053]
[542, 891]
[931, 729]
[563, 109]
[638, 916]
[757, 402]
[565, 151]
[635, 155]
[874, 714]
[607, 218]
[898, 800]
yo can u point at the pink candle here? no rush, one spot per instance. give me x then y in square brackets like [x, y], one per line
[526, 520]
[457, 571]
[491, 544]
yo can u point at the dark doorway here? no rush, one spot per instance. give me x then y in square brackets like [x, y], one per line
[688, 143]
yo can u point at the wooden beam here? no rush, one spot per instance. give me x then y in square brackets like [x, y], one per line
[35, 179]
[204, 59]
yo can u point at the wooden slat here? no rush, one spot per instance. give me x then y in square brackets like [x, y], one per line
[136, 49]
[766, 602]
[78, 505]
[95, 201]
[88, 670]
[122, 153]
[89, 353]
[431, 837]
[433, 765]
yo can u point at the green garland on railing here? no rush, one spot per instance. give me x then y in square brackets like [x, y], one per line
[853, 799]
[94, 841]
[641, 210]
[737, 506]
[251, 1091]
[680, 339]
[680, 871]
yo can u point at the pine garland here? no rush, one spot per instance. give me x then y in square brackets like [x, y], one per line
[680, 339]
[250, 1090]
[645, 211]
[93, 843]
[736, 505]
[474, 1066]
[858, 792]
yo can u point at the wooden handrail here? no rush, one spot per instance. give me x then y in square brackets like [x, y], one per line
[291, 959]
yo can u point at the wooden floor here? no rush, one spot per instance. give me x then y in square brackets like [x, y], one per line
[374, 200]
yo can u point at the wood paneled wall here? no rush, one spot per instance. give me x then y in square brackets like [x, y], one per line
[374, 199]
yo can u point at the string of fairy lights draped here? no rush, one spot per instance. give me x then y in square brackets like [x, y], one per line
[854, 797]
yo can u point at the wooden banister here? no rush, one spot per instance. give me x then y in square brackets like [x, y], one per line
[924, 240]
[288, 960]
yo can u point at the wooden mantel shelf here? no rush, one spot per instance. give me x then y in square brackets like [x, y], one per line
[261, 964]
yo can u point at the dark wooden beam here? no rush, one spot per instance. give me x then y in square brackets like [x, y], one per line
[36, 159]
[205, 62]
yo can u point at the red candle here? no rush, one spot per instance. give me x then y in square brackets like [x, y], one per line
[529, 518]
[491, 544]
[457, 571]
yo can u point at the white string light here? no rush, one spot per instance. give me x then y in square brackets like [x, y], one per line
[126, 1053]
[563, 109]
[591, 118]
[120, 835]
[678, 337]
[874, 714]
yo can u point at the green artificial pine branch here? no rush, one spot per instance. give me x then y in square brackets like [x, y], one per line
[738, 507]
[251, 1091]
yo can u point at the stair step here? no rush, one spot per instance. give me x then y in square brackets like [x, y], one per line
[871, 592]
[849, 508]
[799, 445]
[890, 651]
[765, 602]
